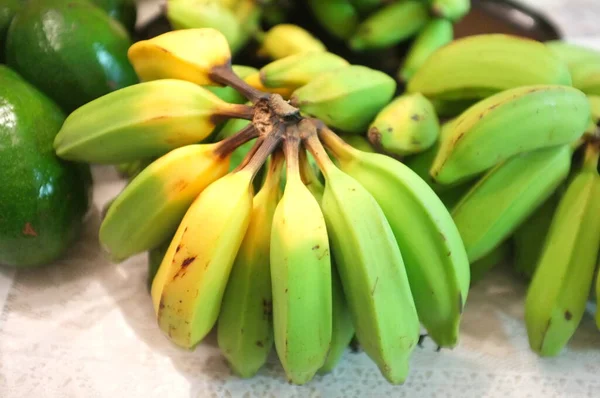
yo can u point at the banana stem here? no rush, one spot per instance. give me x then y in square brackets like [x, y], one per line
[591, 157]
[237, 111]
[291, 149]
[230, 144]
[315, 147]
[261, 151]
[223, 74]
[273, 176]
[334, 143]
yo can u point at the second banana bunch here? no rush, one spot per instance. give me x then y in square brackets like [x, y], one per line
[268, 213]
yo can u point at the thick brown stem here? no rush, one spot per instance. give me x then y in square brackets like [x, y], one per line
[318, 151]
[267, 146]
[291, 149]
[223, 74]
[229, 144]
[236, 111]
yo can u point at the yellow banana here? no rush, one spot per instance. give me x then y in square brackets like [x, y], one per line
[284, 40]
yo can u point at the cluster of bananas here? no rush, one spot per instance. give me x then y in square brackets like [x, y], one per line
[323, 252]
[517, 157]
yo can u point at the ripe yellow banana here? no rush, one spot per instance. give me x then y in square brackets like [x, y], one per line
[558, 292]
[189, 286]
[505, 196]
[371, 270]
[299, 69]
[462, 69]
[301, 277]
[254, 80]
[245, 326]
[284, 40]
[142, 121]
[432, 249]
[511, 122]
[188, 54]
[155, 258]
[149, 209]
[347, 98]
[407, 125]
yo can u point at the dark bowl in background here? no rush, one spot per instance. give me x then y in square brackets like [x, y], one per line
[486, 16]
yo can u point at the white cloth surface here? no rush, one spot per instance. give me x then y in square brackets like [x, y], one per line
[84, 327]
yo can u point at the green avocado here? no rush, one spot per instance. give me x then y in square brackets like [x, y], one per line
[8, 9]
[69, 49]
[123, 11]
[43, 199]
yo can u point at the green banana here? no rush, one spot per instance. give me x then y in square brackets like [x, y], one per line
[284, 40]
[347, 98]
[437, 33]
[450, 9]
[338, 17]
[141, 121]
[187, 14]
[371, 270]
[505, 196]
[366, 6]
[584, 65]
[482, 266]
[432, 249]
[451, 108]
[229, 129]
[245, 325]
[462, 69]
[358, 142]
[508, 123]
[558, 292]
[390, 25]
[407, 125]
[149, 209]
[529, 238]
[299, 69]
[229, 94]
[301, 277]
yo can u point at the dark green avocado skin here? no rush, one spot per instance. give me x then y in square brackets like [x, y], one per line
[70, 49]
[8, 9]
[43, 199]
[123, 11]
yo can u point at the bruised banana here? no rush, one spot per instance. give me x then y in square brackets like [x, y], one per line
[557, 296]
[437, 33]
[407, 125]
[338, 17]
[197, 14]
[432, 249]
[583, 62]
[508, 123]
[284, 40]
[347, 98]
[529, 238]
[188, 54]
[371, 270]
[245, 325]
[450, 9]
[188, 288]
[141, 121]
[301, 277]
[390, 25]
[149, 209]
[299, 69]
[462, 69]
[505, 196]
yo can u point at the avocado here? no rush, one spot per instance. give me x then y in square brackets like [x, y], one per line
[123, 11]
[8, 8]
[43, 199]
[70, 49]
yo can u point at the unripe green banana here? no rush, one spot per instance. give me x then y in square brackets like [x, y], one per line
[301, 277]
[508, 123]
[131, 169]
[189, 286]
[451, 9]
[338, 17]
[432, 249]
[188, 14]
[584, 65]
[437, 33]
[371, 270]
[529, 238]
[248, 13]
[245, 325]
[347, 98]
[407, 125]
[149, 209]
[482, 266]
[390, 25]
[284, 40]
[557, 296]
[451, 108]
[357, 142]
[366, 6]
[299, 69]
[462, 69]
[505, 196]
[141, 121]
[229, 94]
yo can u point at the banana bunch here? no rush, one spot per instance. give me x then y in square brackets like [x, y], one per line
[360, 247]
